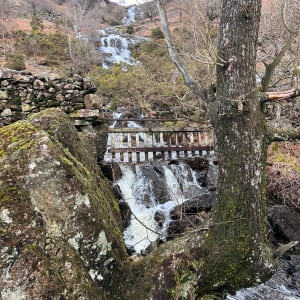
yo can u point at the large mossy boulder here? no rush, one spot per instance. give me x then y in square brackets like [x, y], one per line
[60, 235]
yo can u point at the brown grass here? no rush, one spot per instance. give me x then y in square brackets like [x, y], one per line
[283, 172]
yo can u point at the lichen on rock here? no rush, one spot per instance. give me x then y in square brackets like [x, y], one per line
[59, 222]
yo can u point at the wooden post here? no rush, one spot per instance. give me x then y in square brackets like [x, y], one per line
[112, 138]
[121, 146]
[177, 144]
[146, 145]
[137, 142]
[129, 147]
[170, 145]
[184, 142]
[205, 139]
[154, 145]
[161, 143]
[192, 142]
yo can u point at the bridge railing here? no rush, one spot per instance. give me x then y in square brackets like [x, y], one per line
[143, 144]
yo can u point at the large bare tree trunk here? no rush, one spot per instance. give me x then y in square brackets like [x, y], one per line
[237, 241]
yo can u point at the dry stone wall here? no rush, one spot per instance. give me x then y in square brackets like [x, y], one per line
[23, 93]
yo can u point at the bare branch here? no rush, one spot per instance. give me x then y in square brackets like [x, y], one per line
[280, 135]
[188, 79]
[270, 68]
[275, 96]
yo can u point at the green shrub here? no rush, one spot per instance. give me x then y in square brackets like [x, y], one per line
[156, 33]
[15, 61]
[129, 29]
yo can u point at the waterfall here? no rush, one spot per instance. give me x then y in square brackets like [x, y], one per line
[116, 46]
[132, 12]
[152, 191]
[116, 50]
[130, 2]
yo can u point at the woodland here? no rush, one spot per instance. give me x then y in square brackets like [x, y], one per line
[230, 65]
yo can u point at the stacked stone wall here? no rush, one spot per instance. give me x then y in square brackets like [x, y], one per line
[23, 93]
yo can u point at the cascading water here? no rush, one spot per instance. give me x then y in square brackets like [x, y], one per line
[152, 190]
[132, 12]
[130, 2]
[115, 47]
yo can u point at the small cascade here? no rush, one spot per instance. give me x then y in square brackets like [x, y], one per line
[116, 46]
[132, 12]
[152, 191]
[130, 2]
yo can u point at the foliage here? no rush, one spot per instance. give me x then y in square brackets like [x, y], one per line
[15, 61]
[153, 86]
[129, 29]
[53, 46]
[156, 33]
[36, 23]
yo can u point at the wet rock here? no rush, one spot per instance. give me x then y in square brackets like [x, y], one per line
[117, 191]
[283, 285]
[284, 222]
[197, 163]
[203, 202]
[159, 217]
[192, 207]
[60, 228]
[112, 171]
[153, 189]
[125, 213]
[175, 228]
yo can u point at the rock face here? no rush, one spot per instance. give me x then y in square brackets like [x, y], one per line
[59, 222]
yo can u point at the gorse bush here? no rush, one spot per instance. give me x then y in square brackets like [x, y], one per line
[15, 61]
[129, 29]
[54, 47]
[156, 33]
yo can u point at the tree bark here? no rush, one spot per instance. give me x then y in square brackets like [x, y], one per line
[237, 241]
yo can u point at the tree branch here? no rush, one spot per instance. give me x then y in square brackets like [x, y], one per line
[188, 79]
[270, 68]
[280, 135]
[274, 96]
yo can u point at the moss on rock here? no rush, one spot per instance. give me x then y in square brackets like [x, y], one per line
[59, 221]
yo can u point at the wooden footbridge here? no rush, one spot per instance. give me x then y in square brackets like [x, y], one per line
[157, 143]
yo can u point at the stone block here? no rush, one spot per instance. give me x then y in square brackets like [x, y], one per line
[92, 101]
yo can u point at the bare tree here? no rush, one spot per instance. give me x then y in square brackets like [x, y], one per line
[278, 47]
[150, 10]
[6, 9]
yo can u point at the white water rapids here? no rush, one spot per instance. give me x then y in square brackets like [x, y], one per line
[152, 189]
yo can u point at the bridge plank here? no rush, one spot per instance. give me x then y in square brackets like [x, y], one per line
[151, 129]
[161, 149]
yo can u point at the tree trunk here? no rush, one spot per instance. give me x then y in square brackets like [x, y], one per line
[234, 253]
[237, 242]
